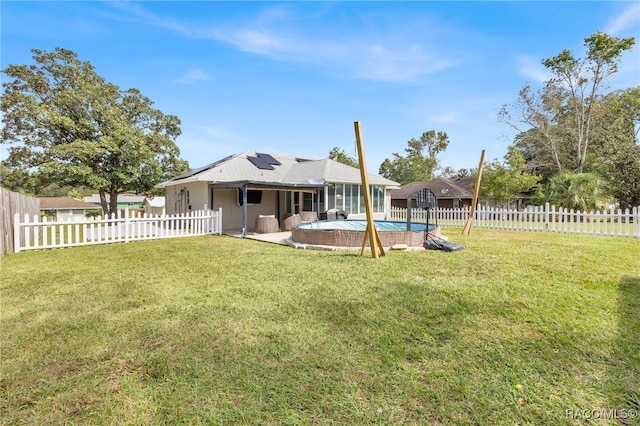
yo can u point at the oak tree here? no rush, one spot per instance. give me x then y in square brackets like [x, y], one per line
[421, 159]
[67, 125]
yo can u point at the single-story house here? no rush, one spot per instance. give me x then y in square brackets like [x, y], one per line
[154, 205]
[124, 201]
[252, 184]
[451, 193]
[65, 208]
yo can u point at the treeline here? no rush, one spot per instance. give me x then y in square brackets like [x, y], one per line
[576, 145]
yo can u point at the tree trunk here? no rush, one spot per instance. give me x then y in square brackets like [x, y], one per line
[103, 202]
[113, 202]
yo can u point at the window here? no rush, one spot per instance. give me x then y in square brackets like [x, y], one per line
[377, 198]
[351, 198]
[339, 197]
[321, 203]
[287, 202]
[254, 196]
[307, 202]
[331, 200]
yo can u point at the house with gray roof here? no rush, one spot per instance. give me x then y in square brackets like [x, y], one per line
[125, 201]
[450, 192]
[253, 184]
[65, 208]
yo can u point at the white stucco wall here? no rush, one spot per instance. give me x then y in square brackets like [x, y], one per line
[227, 199]
[187, 197]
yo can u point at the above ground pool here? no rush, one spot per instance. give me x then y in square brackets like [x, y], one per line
[350, 233]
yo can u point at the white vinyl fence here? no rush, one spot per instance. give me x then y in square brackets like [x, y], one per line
[36, 233]
[622, 223]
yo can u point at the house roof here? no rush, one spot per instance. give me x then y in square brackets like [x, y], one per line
[442, 188]
[275, 169]
[155, 201]
[64, 203]
[122, 198]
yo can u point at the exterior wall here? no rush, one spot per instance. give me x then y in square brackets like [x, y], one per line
[74, 215]
[227, 199]
[399, 202]
[183, 198]
[148, 209]
[443, 203]
[199, 194]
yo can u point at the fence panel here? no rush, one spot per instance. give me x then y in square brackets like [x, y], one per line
[10, 204]
[620, 223]
[33, 233]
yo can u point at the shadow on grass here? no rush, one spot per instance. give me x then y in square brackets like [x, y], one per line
[624, 373]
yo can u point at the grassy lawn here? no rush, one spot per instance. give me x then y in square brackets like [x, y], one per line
[516, 329]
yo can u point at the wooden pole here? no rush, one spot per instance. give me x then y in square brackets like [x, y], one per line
[476, 192]
[371, 233]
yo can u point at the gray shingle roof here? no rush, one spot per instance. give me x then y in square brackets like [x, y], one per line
[441, 187]
[122, 198]
[65, 203]
[291, 170]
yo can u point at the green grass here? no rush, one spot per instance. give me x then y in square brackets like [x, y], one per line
[516, 329]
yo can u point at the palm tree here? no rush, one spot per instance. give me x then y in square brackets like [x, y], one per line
[577, 191]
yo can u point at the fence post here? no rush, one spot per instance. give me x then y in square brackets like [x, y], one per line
[16, 233]
[546, 216]
[126, 224]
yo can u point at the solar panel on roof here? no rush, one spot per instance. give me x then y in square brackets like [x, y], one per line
[260, 163]
[269, 159]
[302, 160]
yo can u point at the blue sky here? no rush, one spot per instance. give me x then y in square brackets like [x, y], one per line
[292, 77]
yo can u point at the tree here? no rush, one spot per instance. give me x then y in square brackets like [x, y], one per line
[417, 165]
[69, 126]
[562, 112]
[340, 156]
[582, 79]
[617, 149]
[450, 172]
[544, 145]
[577, 191]
[505, 182]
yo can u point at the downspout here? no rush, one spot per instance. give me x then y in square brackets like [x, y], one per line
[244, 210]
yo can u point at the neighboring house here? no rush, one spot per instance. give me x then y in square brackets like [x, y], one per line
[124, 201]
[251, 184]
[450, 192]
[64, 208]
[154, 205]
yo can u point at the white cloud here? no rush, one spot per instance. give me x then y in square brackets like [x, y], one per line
[444, 117]
[626, 20]
[218, 131]
[386, 55]
[531, 68]
[193, 76]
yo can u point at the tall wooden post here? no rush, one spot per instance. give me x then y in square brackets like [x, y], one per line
[472, 213]
[371, 232]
